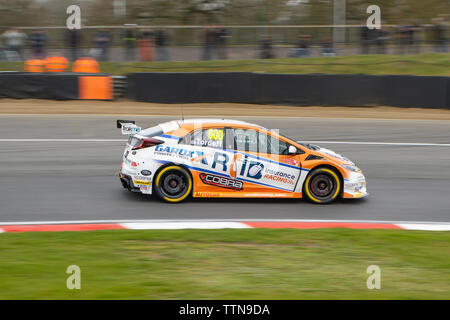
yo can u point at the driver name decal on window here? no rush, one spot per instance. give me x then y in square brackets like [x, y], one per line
[208, 138]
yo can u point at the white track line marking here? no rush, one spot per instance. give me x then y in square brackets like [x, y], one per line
[318, 142]
[150, 221]
[184, 225]
[427, 226]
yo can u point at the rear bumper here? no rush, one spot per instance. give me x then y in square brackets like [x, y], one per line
[127, 182]
[132, 180]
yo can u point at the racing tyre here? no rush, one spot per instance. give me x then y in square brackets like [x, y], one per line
[173, 184]
[322, 185]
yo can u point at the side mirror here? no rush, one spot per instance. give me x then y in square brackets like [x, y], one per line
[292, 150]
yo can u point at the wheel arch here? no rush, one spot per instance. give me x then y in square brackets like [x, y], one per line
[173, 164]
[331, 167]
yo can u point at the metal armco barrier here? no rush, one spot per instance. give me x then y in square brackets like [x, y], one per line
[120, 86]
[309, 89]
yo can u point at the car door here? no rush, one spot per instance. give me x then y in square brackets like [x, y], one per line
[211, 164]
[263, 162]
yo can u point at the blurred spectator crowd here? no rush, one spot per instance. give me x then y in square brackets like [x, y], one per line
[404, 37]
[147, 44]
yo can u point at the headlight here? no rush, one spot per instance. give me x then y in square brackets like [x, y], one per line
[350, 167]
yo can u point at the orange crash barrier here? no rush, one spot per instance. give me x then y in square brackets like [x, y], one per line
[56, 64]
[95, 88]
[86, 65]
[34, 65]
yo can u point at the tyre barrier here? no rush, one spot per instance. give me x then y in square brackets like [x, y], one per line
[56, 86]
[294, 89]
[237, 87]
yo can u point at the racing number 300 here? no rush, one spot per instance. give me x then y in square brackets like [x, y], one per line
[215, 134]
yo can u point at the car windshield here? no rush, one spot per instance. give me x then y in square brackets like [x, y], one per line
[306, 145]
[282, 135]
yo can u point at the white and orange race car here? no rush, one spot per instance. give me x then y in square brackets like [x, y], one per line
[213, 158]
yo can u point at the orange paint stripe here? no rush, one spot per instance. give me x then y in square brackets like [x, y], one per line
[60, 227]
[319, 225]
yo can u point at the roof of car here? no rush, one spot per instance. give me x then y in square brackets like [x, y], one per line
[217, 121]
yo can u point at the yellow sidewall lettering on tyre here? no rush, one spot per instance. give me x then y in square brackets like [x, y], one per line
[180, 174]
[335, 180]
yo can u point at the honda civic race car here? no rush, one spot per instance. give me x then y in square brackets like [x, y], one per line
[213, 158]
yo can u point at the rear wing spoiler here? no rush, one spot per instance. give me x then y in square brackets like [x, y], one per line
[128, 127]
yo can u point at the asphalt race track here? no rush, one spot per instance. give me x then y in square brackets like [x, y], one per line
[77, 180]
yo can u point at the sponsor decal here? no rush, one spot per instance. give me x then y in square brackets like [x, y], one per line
[146, 172]
[266, 195]
[175, 151]
[141, 183]
[220, 159]
[291, 162]
[207, 143]
[255, 170]
[130, 129]
[144, 178]
[281, 174]
[207, 194]
[221, 181]
[193, 155]
[278, 179]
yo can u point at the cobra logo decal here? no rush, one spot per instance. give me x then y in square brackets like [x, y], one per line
[223, 182]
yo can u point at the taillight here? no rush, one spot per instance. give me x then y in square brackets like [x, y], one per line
[148, 142]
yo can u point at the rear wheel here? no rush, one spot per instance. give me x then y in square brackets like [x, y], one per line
[173, 184]
[322, 185]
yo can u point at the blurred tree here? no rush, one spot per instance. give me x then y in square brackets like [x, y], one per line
[398, 11]
[231, 12]
[22, 12]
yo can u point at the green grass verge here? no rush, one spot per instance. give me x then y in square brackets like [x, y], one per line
[226, 264]
[423, 64]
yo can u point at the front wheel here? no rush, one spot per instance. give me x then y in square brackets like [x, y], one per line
[173, 184]
[322, 185]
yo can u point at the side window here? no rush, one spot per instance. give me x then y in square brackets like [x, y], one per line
[254, 141]
[277, 146]
[245, 140]
[212, 138]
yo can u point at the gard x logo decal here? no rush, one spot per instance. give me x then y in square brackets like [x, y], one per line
[177, 151]
[221, 181]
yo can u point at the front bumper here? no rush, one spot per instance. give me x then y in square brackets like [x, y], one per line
[355, 186]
